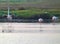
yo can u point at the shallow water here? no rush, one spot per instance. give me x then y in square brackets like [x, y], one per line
[29, 28]
[29, 38]
[29, 33]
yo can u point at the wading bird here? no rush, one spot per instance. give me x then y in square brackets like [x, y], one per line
[40, 20]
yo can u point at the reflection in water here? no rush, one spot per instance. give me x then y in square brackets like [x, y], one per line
[30, 31]
[29, 28]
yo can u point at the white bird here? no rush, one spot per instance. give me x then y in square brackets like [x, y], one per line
[54, 18]
[40, 20]
[9, 17]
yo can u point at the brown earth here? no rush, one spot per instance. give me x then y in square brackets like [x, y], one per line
[17, 6]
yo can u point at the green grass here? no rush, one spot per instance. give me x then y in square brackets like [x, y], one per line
[32, 11]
